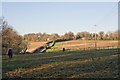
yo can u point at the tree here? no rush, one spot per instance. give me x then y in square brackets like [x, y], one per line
[90, 36]
[115, 35]
[86, 35]
[101, 35]
[39, 36]
[106, 37]
[93, 36]
[10, 39]
[111, 35]
[45, 36]
[1, 20]
[69, 36]
[78, 35]
[54, 36]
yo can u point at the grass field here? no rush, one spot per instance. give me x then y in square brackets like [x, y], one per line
[75, 45]
[69, 64]
[83, 45]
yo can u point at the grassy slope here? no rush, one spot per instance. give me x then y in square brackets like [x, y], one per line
[73, 44]
[82, 44]
[77, 64]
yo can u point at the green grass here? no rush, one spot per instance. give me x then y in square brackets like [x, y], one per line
[55, 48]
[59, 45]
[70, 64]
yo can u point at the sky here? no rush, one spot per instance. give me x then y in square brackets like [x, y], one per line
[61, 17]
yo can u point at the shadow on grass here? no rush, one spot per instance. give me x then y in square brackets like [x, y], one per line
[48, 61]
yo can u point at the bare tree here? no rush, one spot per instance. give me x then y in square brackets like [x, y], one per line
[11, 39]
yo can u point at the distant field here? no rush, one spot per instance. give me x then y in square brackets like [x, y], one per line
[83, 45]
[75, 45]
[70, 64]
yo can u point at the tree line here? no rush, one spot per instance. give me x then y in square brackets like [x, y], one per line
[71, 36]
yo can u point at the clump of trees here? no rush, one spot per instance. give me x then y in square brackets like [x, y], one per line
[71, 36]
[11, 39]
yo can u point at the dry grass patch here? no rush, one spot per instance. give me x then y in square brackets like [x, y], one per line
[55, 65]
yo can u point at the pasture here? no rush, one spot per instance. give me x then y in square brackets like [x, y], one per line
[73, 45]
[69, 64]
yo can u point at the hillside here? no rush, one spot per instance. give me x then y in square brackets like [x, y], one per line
[74, 45]
[34, 45]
